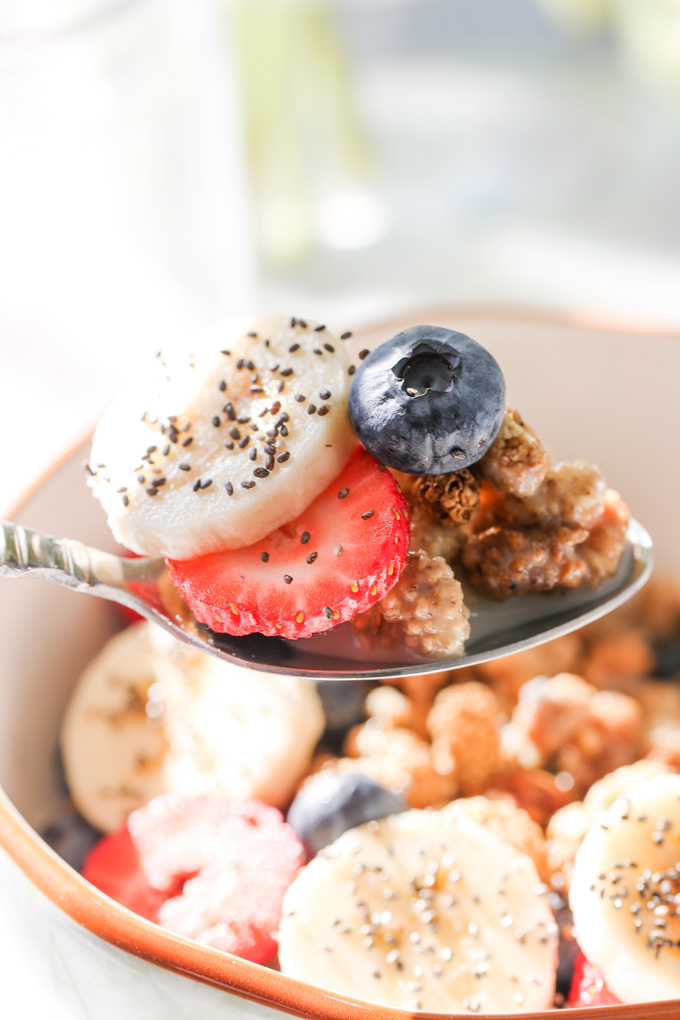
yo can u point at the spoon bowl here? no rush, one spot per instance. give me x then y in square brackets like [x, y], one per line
[497, 628]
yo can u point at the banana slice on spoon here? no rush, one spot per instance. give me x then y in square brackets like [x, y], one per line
[224, 445]
[426, 911]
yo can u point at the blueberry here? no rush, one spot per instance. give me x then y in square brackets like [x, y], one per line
[427, 402]
[332, 802]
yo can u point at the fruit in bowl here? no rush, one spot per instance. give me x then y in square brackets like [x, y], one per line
[441, 744]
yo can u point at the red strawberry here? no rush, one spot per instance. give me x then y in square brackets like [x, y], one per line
[208, 867]
[588, 987]
[113, 865]
[337, 559]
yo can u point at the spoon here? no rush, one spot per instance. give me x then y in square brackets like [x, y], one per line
[497, 628]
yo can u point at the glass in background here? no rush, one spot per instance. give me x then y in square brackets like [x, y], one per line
[459, 151]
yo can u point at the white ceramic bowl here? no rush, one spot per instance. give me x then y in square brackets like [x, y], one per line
[603, 394]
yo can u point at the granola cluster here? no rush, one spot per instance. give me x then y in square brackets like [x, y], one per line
[516, 462]
[434, 537]
[571, 493]
[514, 524]
[570, 531]
[451, 499]
[566, 725]
[504, 561]
[535, 745]
[465, 727]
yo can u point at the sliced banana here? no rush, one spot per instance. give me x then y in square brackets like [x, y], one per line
[150, 716]
[425, 911]
[625, 892]
[217, 448]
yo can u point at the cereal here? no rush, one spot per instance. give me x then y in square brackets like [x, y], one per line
[465, 725]
[604, 546]
[435, 538]
[401, 761]
[569, 726]
[572, 493]
[538, 792]
[506, 561]
[508, 674]
[569, 531]
[394, 710]
[515, 463]
[452, 498]
[425, 609]
[619, 662]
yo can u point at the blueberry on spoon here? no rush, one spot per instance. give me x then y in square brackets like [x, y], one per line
[427, 402]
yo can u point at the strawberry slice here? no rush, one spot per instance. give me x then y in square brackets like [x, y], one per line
[208, 867]
[588, 987]
[114, 866]
[339, 557]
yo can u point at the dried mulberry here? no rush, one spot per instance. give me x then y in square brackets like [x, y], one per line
[566, 725]
[452, 498]
[604, 547]
[516, 462]
[465, 725]
[572, 493]
[424, 610]
[434, 537]
[517, 561]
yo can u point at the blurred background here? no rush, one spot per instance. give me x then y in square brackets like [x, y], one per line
[167, 163]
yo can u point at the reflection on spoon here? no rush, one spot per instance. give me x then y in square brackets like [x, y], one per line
[497, 628]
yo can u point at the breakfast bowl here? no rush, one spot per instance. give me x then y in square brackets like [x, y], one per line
[605, 393]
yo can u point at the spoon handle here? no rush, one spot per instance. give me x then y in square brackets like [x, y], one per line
[63, 560]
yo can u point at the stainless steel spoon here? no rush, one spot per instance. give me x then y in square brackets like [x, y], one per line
[497, 628]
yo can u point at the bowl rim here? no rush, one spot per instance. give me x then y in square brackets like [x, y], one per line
[108, 920]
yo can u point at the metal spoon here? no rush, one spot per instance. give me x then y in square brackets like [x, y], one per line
[498, 628]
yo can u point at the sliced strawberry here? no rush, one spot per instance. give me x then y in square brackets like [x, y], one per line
[208, 867]
[588, 987]
[113, 865]
[337, 559]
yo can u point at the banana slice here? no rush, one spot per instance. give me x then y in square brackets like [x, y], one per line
[220, 447]
[150, 716]
[625, 892]
[425, 911]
